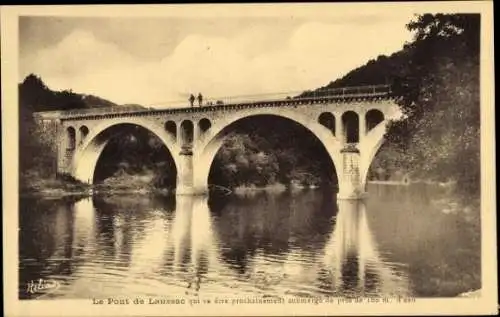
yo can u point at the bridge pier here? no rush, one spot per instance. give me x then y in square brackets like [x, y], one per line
[350, 185]
[187, 182]
[185, 172]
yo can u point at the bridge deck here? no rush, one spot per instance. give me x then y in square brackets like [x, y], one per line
[344, 94]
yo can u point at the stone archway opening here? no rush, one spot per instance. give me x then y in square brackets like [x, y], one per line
[171, 127]
[84, 131]
[70, 139]
[187, 133]
[270, 151]
[204, 124]
[350, 125]
[327, 119]
[372, 118]
[130, 156]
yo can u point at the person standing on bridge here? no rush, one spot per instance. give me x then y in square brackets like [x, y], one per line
[191, 100]
[200, 99]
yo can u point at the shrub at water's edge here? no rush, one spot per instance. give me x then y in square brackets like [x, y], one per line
[34, 184]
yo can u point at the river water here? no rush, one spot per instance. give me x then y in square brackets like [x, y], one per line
[400, 241]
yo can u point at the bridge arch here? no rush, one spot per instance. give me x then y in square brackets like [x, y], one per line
[85, 159]
[214, 140]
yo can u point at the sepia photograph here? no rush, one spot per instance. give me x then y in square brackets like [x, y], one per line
[217, 159]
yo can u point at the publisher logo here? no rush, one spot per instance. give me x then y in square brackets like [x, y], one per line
[41, 286]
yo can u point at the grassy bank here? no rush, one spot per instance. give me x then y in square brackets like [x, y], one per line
[140, 183]
[34, 184]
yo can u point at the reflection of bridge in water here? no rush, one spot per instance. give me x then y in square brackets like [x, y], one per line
[181, 253]
[352, 262]
[349, 122]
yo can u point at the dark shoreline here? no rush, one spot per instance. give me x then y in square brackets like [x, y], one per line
[68, 189]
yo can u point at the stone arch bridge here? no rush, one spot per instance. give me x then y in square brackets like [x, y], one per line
[350, 123]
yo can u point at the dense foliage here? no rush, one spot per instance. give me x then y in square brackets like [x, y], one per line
[267, 150]
[439, 136]
[435, 79]
[37, 157]
[34, 95]
[136, 151]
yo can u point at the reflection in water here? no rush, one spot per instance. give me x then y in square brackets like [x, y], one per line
[191, 252]
[202, 237]
[298, 244]
[84, 227]
[352, 262]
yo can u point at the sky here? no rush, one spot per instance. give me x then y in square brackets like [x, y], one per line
[159, 61]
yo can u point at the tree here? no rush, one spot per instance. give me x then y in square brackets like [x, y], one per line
[438, 136]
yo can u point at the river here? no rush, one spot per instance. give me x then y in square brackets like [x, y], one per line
[399, 241]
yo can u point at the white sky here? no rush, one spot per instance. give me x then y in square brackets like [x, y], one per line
[150, 61]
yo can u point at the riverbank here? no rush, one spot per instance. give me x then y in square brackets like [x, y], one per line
[143, 183]
[52, 188]
[34, 185]
[122, 184]
[417, 181]
[58, 192]
[277, 188]
[252, 189]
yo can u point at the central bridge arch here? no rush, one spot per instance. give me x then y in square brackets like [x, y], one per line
[213, 141]
[85, 160]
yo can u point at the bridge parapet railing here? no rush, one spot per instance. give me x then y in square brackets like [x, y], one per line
[248, 100]
[97, 110]
[322, 93]
[371, 90]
